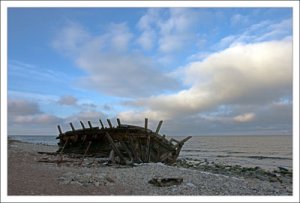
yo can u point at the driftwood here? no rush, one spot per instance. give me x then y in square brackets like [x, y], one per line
[131, 144]
[165, 182]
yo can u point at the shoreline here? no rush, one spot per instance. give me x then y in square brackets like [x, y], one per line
[32, 173]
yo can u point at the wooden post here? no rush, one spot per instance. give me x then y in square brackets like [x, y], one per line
[139, 148]
[146, 123]
[88, 147]
[59, 129]
[115, 148]
[71, 124]
[102, 126]
[172, 139]
[148, 148]
[84, 138]
[82, 125]
[133, 149]
[128, 151]
[119, 122]
[185, 139]
[61, 151]
[158, 127]
[89, 122]
[109, 123]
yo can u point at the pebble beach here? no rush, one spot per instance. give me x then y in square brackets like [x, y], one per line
[31, 172]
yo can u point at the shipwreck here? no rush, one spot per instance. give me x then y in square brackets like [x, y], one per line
[123, 143]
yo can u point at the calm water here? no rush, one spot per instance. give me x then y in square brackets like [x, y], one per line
[268, 152]
[48, 140]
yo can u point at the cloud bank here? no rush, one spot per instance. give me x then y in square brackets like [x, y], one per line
[245, 74]
[111, 67]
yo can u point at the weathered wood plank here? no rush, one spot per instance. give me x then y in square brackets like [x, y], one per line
[148, 148]
[173, 140]
[109, 123]
[86, 150]
[90, 124]
[185, 139]
[158, 127]
[146, 123]
[102, 126]
[61, 151]
[129, 153]
[119, 122]
[82, 125]
[134, 149]
[71, 124]
[59, 129]
[115, 148]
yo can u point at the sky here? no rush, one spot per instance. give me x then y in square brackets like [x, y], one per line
[203, 71]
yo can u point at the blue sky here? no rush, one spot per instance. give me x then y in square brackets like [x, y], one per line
[204, 71]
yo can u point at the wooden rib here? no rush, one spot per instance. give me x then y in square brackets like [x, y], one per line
[158, 127]
[133, 149]
[109, 123]
[59, 129]
[128, 151]
[148, 148]
[165, 156]
[90, 124]
[71, 124]
[82, 125]
[84, 138]
[185, 139]
[146, 123]
[61, 151]
[172, 139]
[115, 148]
[88, 147]
[102, 126]
[119, 122]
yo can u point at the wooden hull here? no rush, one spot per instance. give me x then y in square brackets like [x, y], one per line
[132, 144]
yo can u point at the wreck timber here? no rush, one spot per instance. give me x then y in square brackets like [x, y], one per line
[131, 144]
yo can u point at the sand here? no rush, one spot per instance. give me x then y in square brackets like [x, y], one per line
[31, 173]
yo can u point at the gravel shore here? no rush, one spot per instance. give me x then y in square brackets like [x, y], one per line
[32, 173]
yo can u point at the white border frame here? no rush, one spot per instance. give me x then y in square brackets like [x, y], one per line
[85, 4]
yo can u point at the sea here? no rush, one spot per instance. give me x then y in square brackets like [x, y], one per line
[268, 152]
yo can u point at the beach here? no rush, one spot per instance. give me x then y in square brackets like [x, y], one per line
[31, 172]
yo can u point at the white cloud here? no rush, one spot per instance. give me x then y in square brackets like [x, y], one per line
[259, 32]
[67, 100]
[25, 117]
[246, 117]
[22, 107]
[147, 24]
[123, 75]
[119, 36]
[111, 68]
[241, 75]
[175, 31]
[170, 28]
[239, 19]
[146, 40]
[70, 39]
[42, 119]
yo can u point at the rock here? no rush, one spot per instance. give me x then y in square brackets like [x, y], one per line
[191, 185]
[109, 179]
[282, 169]
[165, 182]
